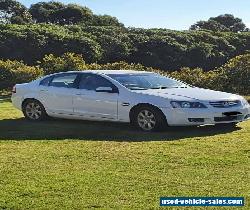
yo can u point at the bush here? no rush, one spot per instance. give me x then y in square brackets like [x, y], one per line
[197, 77]
[13, 72]
[32, 42]
[67, 62]
[118, 66]
[75, 62]
[235, 75]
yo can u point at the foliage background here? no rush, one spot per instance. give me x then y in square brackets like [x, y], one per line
[50, 37]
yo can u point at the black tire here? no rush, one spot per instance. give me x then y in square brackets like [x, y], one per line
[154, 117]
[34, 110]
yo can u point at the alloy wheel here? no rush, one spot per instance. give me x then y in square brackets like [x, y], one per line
[33, 110]
[146, 120]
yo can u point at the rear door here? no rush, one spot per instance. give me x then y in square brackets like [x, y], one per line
[57, 93]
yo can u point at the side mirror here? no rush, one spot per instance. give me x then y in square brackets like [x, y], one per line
[105, 90]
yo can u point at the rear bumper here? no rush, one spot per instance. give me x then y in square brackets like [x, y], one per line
[16, 101]
[185, 117]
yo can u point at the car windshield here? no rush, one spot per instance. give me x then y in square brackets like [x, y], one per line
[146, 81]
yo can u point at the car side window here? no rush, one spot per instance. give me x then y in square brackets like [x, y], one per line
[46, 81]
[64, 80]
[92, 82]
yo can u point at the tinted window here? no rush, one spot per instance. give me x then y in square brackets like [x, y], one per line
[64, 80]
[46, 81]
[91, 82]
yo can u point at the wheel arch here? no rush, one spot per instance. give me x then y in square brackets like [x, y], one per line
[43, 114]
[137, 106]
[31, 98]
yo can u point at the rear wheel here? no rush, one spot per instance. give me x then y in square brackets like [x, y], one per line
[148, 118]
[34, 110]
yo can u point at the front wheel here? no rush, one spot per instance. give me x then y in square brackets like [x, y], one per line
[34, 110]
[149, 118]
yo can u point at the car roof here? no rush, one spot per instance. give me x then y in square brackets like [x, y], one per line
[107, 72]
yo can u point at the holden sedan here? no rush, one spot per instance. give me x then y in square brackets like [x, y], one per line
[147, 100]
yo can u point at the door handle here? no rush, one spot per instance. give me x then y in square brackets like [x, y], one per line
[43, 90]
[79, 94]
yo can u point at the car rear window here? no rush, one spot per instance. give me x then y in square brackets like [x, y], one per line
[46, 81]
[64, 80]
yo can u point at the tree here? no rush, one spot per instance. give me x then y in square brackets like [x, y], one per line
[59, 13]
[226, 22]
[209, 25]
[12, 11]
[42, 12]
[106, 20]
[234, 24]
[72, 14]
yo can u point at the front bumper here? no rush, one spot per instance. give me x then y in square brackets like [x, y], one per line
[185, 117]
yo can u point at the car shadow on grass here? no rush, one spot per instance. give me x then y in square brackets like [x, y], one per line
[55, 129]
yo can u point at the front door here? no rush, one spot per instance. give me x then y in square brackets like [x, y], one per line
[89, 103]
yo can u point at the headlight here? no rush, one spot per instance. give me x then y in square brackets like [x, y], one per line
[187, 104]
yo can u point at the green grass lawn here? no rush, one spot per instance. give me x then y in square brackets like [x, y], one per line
[64, 164]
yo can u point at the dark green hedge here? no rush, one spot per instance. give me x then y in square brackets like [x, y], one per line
[158, 48]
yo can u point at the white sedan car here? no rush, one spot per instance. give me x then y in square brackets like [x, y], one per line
[148, 100]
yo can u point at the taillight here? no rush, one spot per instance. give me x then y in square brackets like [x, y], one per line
[14, 89]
